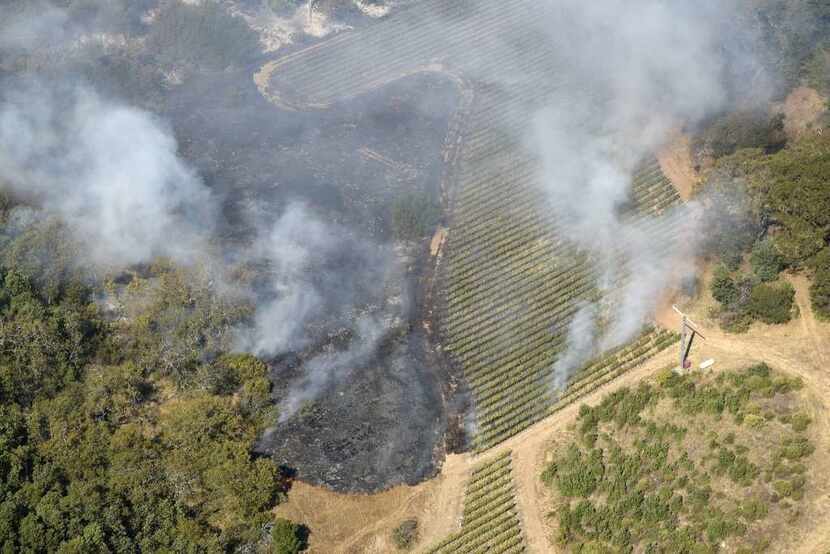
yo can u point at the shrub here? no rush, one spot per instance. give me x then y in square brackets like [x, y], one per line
[578, 474]
[796, 448]
[405, 535]
[743, 129]
[772, 303]
[723, 287]
[794, 185]
[287, 537]
[753, 509]
[820, 288]
[766, 261]
[783, 488]
[754, 421]
[800, 422]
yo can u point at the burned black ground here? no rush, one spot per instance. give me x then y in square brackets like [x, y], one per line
[383, 421]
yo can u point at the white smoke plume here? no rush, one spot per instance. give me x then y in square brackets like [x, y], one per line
[111, 172]
[322, 276]
[332, 366]
[289, 246]
[649, 66]
[581, 345]
[113, 175]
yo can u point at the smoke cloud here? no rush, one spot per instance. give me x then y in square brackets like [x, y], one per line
[316, 272]
[649, 66]
[113, 175]
[110, 171]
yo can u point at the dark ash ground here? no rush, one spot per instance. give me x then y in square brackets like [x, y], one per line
[386, 421]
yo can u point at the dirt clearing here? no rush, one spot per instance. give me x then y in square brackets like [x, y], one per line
[802, 109]
[676, 162]
[357, 523]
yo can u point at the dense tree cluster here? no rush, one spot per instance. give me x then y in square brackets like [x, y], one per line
[768, 199]
[129, 433]
[771, 211]
[414, 216]
[791, 32]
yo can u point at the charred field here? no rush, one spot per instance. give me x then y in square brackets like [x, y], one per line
[387, 415]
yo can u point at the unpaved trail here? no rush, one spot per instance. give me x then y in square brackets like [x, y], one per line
[442, 511]
[783, 347]
[362, 523]
[347, 523]
[809, 324]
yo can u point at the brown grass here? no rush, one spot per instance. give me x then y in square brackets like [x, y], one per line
[676, 162]
[802, 109]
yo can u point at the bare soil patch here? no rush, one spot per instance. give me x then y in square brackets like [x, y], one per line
[802, 110]
[676, 162]
[358, 523]
[794, 349]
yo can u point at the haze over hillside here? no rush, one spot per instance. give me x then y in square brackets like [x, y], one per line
[259, 255]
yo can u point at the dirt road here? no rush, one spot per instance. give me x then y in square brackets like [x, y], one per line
[798, 348]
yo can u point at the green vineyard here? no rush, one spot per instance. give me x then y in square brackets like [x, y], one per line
[513, 287]
[490, 521]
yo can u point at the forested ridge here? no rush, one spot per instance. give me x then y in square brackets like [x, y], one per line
[124, 435]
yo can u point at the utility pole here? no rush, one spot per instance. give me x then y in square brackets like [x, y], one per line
[688, 332]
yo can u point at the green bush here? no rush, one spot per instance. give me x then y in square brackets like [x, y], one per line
[766, 261]
[772, 303]
[743, 129]
[405, 535]
[578, 474]
[796, 448]
[820, 287]
[723, 286]
[800, 422]
[287, 537]
[753, 509]
[793, 186]
[783, 488]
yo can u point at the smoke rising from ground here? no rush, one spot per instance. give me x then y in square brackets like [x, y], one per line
[319, 274]
[639, 69]
[110, 171]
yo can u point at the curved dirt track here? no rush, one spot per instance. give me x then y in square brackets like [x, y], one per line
[798, 348]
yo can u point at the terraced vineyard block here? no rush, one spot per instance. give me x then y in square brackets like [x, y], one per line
[490, 522]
